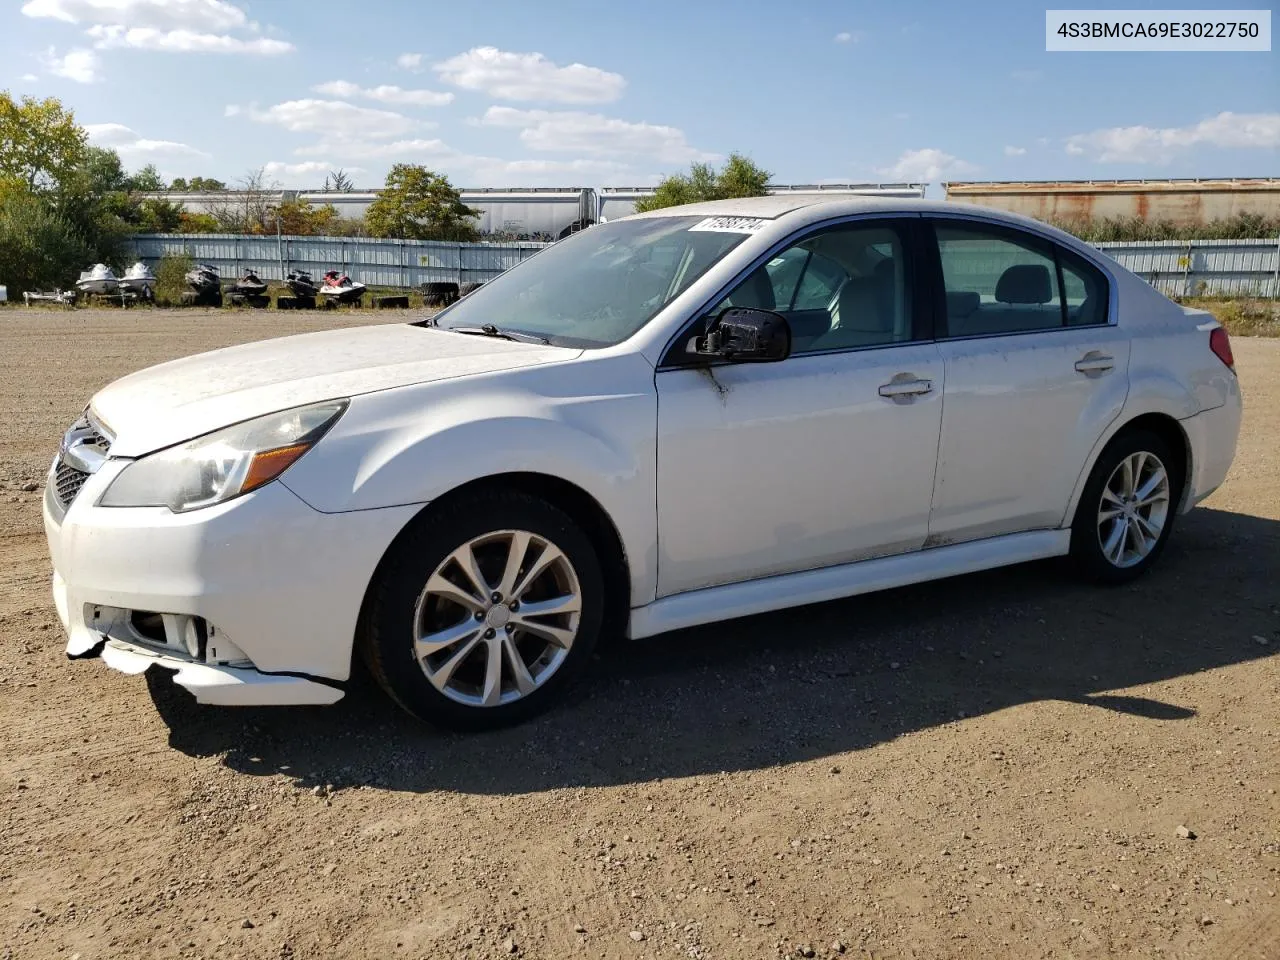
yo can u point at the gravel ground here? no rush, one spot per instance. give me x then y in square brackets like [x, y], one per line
[993, 766]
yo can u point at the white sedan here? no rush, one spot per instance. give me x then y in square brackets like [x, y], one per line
[675, 418]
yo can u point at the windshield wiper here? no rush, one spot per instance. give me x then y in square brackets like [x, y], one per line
[489, 330]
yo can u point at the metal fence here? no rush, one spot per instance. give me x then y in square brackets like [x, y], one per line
[1196, 268]
[1181, 268]
[383, 263]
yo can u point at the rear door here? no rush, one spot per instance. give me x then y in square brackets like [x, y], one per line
[1035, 371]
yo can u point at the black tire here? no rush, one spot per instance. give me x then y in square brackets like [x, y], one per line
[466, 288]
[389, 619]
[440, 288]
[1087, 554]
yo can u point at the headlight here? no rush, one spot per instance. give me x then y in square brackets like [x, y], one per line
[222, 465]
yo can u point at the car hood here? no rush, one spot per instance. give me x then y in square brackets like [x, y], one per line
[167, 404]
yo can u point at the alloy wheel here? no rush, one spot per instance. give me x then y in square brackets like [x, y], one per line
[497, 618]
[1134, 509]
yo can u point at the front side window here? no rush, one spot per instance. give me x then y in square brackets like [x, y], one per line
[999, 281]
[598, 287]
[839, 288]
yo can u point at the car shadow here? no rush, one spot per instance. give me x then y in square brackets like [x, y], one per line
[801, 684]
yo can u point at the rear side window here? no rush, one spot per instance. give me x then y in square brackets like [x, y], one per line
[996, 283]
[997, 280]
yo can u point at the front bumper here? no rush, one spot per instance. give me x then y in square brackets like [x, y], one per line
[280, 583]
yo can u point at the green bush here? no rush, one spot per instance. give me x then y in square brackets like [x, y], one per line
[171, 277]
[1244, 226]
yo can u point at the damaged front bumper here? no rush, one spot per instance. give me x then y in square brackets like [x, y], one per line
[251, 602]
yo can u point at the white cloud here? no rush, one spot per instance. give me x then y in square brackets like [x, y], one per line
[134, 148]
[231, 110]
[116, 36]
[336, 120]
[384, 94]
[79, 65]
[409, 61]
[415, 148]
[28, 78]
[1014, 151]
[1141, 144]
[926, 165]
[848, 36]
[529, 76]
[159, 14]
[595, 135]
[175, 26]
[306, 173]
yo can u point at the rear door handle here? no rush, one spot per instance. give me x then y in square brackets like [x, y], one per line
[904, 386]
[1095, 361]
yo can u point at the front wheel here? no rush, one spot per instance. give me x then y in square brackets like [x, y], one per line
[1127, 509]
[479, 616]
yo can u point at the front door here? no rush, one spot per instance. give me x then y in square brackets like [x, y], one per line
[824, 458]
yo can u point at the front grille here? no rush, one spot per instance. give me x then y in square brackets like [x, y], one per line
[67, 481]
[84, 448]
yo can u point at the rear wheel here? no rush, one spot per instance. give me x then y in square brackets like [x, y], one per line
[480, 616]
[1127, 509]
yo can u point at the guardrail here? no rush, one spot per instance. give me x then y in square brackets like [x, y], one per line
[383, 263]
[1180, 268]
[1197, 268]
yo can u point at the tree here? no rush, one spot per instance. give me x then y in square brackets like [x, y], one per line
[300, 219]
[249, 209]
[158, 216]
[197, 223]
[40, 141]
[739, 178]
[338, 182]
[39, 248]
[418, 204]
[147, 180]
[197, 184]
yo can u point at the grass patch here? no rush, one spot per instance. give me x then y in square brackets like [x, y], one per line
[1242, 316]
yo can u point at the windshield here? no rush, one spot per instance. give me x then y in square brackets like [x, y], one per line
[597, 287]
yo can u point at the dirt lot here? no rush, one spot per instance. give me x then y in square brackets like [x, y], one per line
[994, 766]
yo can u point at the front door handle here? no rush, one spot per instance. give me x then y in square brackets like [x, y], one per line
[1095, 362]
[905, 386]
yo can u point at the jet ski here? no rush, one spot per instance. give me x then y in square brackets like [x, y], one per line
[340, 288]
[250, 285]
[139, 281]
[301, 284]
[98, 279]
[249, 290]
[206, 286]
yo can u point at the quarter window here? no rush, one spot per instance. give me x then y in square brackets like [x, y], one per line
[1085, 291]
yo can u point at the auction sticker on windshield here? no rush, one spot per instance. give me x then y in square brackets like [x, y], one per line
[729, 225]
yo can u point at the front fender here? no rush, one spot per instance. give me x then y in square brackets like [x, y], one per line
[590, 424]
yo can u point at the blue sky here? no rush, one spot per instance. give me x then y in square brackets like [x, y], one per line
[499, 93]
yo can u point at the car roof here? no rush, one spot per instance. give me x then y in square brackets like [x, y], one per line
[795, 210]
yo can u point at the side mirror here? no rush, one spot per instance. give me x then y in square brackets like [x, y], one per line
[746, 335]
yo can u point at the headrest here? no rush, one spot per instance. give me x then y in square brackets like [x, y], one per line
[961, 303]
[1025, 283]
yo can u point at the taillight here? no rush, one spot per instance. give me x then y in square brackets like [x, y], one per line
[1220, 344]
